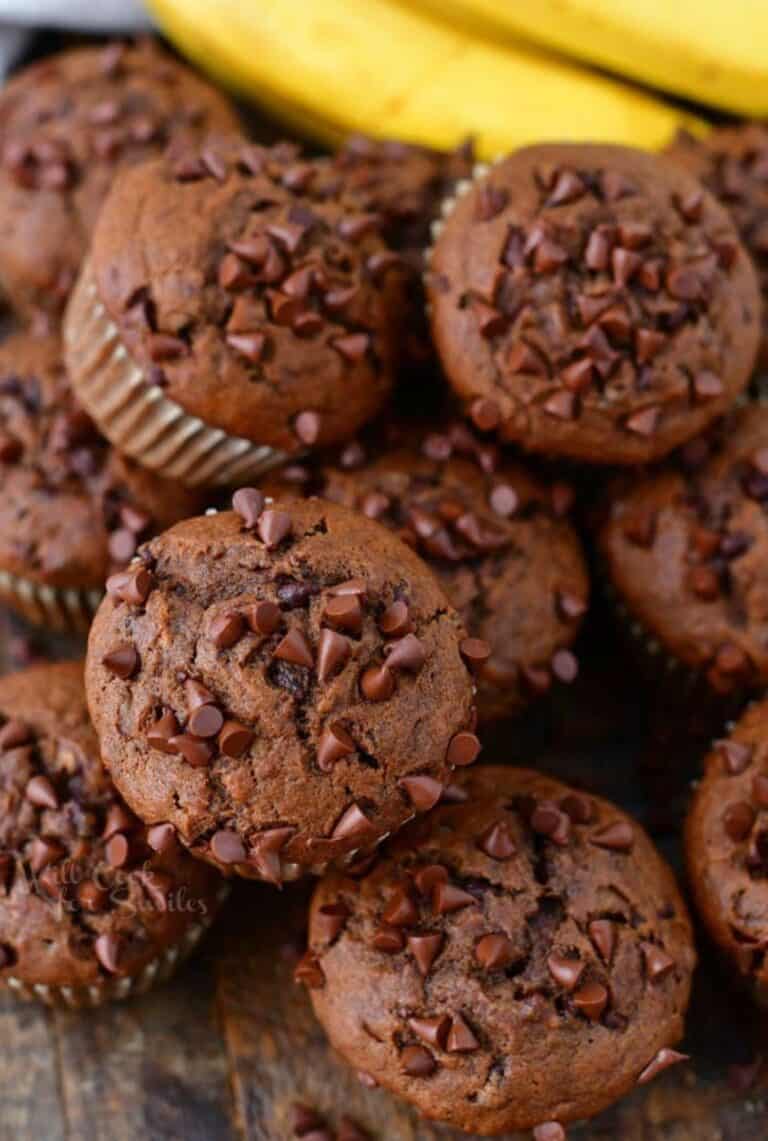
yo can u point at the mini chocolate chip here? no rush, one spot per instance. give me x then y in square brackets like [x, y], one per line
[565, 970]
[226, 630]
[568, 187]
[644, 422]
[433, 1031]
[395, 621]
[661, 1061]
[377, 683]
[417, 1062]
[235, 739]
[463, 749]
[425, 948]
[577, 377]
[461, 1039]
[591, 1000]
[122, 661]
[563, 405]
[332, 654]
[423, 791]
[205, 721]
[618, 836]
[248, 502]
[273, 527]
[648, 344]
[294, 648]
[40, 792]
[335, 743]
[108, 948]
[132, 586]
[569, 607]
[227, 847]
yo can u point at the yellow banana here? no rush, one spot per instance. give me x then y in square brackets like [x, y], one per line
[331, 67]
[710, 50]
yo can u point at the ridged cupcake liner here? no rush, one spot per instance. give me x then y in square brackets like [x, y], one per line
[58, 608]
[136, 416]
[158, 970]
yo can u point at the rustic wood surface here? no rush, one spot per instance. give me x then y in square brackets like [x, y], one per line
[226, 1049]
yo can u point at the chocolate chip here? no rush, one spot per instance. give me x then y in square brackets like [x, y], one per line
[162, 838]
[417, 1062]
[433, 1031]
[117, 850]
[548, 820]
[661, 1061]
[549, 1131]
[252, 346]
[448, 897]
[353, 347]
[425, 948]
[644, 422]
[377, 683]
[388, 940]
[43, 852]
[736, 756]
[428, 876]
[335, 743]
[248, 502]
[407, 653]
[122, 661]
[205, 721]
[307, 426]
[602, 932]
[490, 200]
[707, 385]
[738, 820]
[92, 897]
[227, 847]
[265, 851]
[226, 630]
[132, 586]
[475, 651]
[565, 970]
[235, 739]
[568, 187]
[308, 972]
[423, 791]
[353, 823]
[401, 911]
[295, 649]
[640, 527]
[40, 792]
[463, 749]
[704, 583]
[162, 347]
[345, 612]
[14, 734]
[648, 344]
[504, 500]
[273, 527]
[395, 621]
[332, 654]
[563, 405]
[197, 694]
[591, 1000]
[485, 413]
[565, 666]
[195, 752]
[496, 842]
[108, 948]
[617, 836]
[657, 962]
[118, 819]
[461, 1039]
[122, 545]
[494, 952]
[330, 920]
[760, 790]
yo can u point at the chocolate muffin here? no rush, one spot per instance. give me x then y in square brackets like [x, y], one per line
[92, 904]
[685, 552]
[732, 162]
[72, 509]
[726, 846]
[593, 302]
[242, 308]
[519, 959]
[68, 123]
[283, 685]
[495, 536]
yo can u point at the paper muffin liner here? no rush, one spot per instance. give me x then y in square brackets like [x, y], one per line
[136, 416]
[158, 970]
[57, 608]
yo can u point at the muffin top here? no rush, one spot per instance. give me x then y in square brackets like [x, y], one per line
[501, 953]
[284, 685]
[685, 550]
[727, 846]
[67, 124]
[732, 162]
[494, 535]
[593, 302]
[87, 891]
[246, 286]
[72, 509]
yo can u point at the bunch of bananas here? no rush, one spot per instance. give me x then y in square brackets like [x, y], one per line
[434, 71]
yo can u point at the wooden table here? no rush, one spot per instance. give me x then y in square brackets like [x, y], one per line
[227, 1048]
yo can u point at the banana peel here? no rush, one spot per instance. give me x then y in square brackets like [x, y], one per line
[329, 68]
[711, 51]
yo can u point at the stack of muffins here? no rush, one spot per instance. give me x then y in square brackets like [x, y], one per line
[357, 351]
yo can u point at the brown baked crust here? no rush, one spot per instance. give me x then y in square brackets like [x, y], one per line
[593, 302]
[685, 550]
[60, 815]
[726, 847]
[67, 124]
[532, 1052]
[509, 562]
[72, 509]
[732, 162]
[304, 319]
[327, 746]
